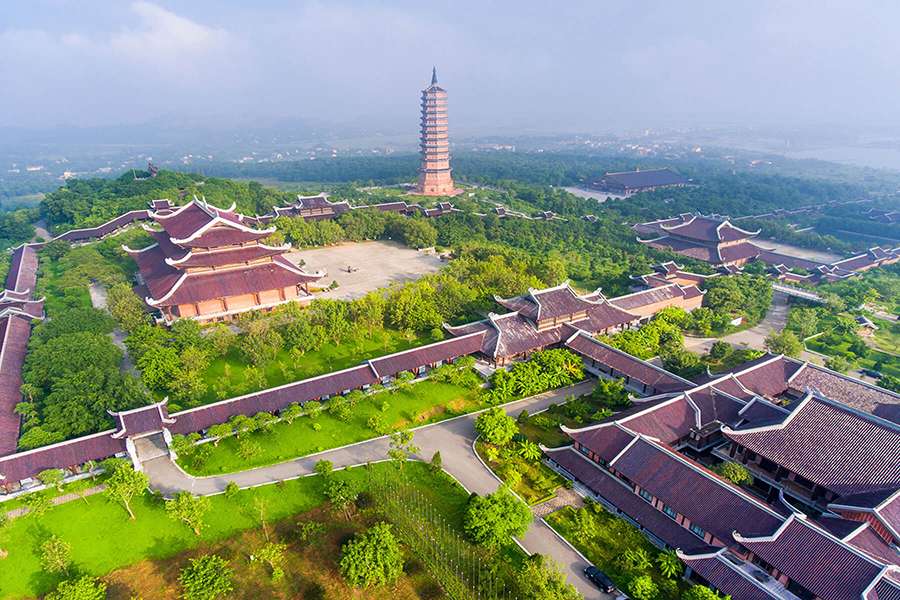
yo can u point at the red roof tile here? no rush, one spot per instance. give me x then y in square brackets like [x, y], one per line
[842, 450]
[659, 379]
[623, 498]
[852, 392]
[445, 350]
[21, 465]
[728, 578]
[679, 483]
[816, 560]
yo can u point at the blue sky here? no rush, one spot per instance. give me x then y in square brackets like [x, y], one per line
[530, 65]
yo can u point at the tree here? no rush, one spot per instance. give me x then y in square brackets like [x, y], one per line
[682, 362]
[803, 321]
[272, 554]
[838, 363]
[341, 494]
[719, 350]
[496, 427]
[786, 343]
[291, 412]
[313, 408]
[642, 588]
[636, 560]
[669, 564]
[83, 588]
[323, 467]
[37, 504]
[541, 579]
[124, 484]
[219, 431]
[188, 509]
[530, 451]
[734, 472]
[402, 447]
[126, 307]
[403, 381]
[585, 524]
[56, 555]
[491, 520]
[372, 557]
[52, 478]
[611, 393]
[232, 489]
[700, 592]
[206, 577]
[437, 463]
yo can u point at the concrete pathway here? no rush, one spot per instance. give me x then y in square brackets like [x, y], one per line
[755, 337]
[61, 499]
[453, 438]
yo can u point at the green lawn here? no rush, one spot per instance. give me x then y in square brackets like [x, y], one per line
[888, 335]
[330, 357]
[102, 537]
[424, 402]
[833, 345]
[609, 541]
[537, 482]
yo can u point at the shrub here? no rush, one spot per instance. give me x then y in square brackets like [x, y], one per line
[206, 578]
[734, 472]
[372, 557]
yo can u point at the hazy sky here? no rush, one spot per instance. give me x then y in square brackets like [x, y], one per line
[563, 65]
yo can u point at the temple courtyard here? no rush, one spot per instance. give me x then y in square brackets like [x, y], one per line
[360, 267]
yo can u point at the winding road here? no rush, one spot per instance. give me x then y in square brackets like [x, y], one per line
[453, 437]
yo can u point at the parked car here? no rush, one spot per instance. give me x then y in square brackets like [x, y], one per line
[872, 373]
[600, 579]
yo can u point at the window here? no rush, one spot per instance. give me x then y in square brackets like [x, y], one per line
[646, 495]
[670, 511]
[698, 531]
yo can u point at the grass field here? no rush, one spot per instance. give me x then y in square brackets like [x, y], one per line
[887, 337]
[424, 402]
[102, 538]
[330, 357]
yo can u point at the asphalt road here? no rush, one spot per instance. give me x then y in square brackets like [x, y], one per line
[454, 439]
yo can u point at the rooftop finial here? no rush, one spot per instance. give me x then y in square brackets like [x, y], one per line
[433, 75]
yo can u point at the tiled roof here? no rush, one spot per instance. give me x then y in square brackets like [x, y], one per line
[680, 483]
[136, 421]
[449, 349]
[273, 399]
[768, 376]
[14, 334]
[606, 441]
[191, 217]
[22, 274]
[821, 563]
[622, 497]
[198, 287]
[738, 252]
[685, 248]
[516, 335]
[651, 375]
[708, 229]
[230, 256]
[667, 422]
[21, 465]
[727, 577]
[853, 392]
[87, 233]
[654, 295]
[843, 450]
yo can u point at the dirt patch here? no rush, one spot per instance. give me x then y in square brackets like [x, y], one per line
[431, 413]
[311, 569]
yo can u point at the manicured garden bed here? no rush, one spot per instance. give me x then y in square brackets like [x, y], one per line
[606, 541]
[102, 538]
[535, 482]
[424, 402]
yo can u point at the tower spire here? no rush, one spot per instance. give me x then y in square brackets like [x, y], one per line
[433, 75]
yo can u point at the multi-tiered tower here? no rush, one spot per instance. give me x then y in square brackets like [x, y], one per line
[434, 145]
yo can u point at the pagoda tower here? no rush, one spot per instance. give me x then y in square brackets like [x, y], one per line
[434, 144]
